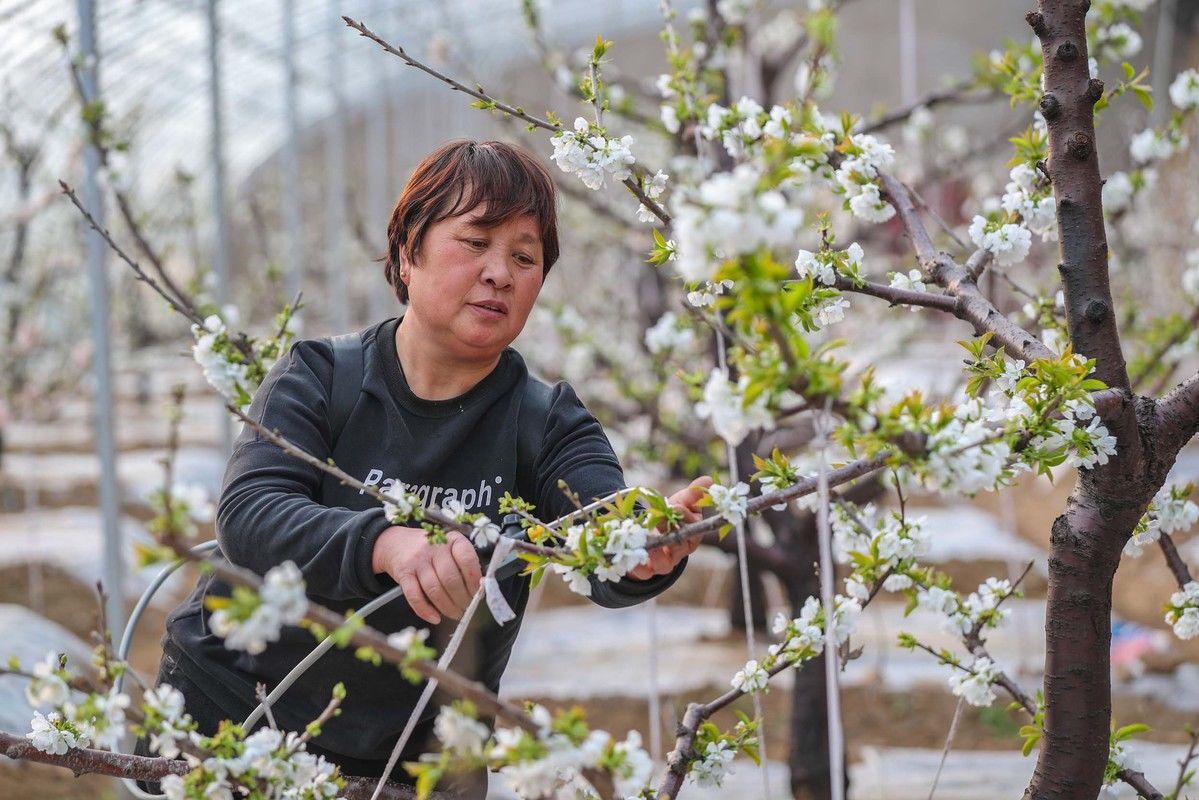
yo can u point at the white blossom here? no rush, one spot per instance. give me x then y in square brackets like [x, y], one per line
[653, 190]
[730, 502]
[1008, 242]
[282, 602]
[1034, 203]
[707, 293]
[250, 634]
[624, 549]
[401, 502]
[576, 581]
[1117, 193]
[1118, 42]
[408, 638]
[108, 729]
[221, 373]
[727, 216]
[459, 732]
[832, 312]
[808, 263]
[52, 734]
[46, 688]
[670, 117]
[1012, 372]
[167, 702]
[1101, 442]
[484, 532]
[1186, 624]
[283, 588]
[725, 403]
[1149, 146]
[937, 600]
[751, 678]
[1183, 615]
[977, 688]
[592, 156]
[634, 771]
[911, 282]
[713, 767]
[667, 334]
[857, 590]
[1190, 278]
[1184, 91]
[869, 206]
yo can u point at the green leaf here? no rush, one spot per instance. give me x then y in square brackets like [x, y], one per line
[1128, 731]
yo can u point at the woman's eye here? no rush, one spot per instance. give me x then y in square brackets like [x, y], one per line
[523, 259]
[476, 242]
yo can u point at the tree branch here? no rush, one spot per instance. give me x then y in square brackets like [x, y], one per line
[83, 761]
[971, 305]
[1178, 567]
[899, 297]
[1178, 412]
[958, 92]
[481, 95]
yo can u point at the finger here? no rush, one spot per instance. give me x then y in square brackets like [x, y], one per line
[437, 594]
[692, 544]
[641, 573]
[659, 561]
[416, 598]
[451, 580]
[468, 563]
[697, 489]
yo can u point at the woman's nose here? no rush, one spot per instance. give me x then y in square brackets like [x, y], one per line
[496, 272]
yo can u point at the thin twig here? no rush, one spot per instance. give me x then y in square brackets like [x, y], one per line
[953, 729]
[958, 92]
[898, 297]
[1185, 763]
[481, 95]
[191, 314]
[1174, 560]
[261, 694]
[1152, 360]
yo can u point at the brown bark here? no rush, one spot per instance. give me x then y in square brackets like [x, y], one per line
[1086, 542]
[121, 765]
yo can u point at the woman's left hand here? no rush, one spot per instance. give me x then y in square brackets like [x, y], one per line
[663, 560]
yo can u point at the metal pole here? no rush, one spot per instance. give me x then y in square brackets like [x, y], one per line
[1163, 59]
[220, 242]
[908, 75]
[377, 175]
[114, 546]
[293, 213]
[335, 182]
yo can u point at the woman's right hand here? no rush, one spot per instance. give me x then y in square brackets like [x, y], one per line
[439, 580]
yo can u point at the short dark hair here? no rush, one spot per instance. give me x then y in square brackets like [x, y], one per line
[459, 176]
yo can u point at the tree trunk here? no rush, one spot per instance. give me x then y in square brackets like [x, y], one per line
[1085, 547]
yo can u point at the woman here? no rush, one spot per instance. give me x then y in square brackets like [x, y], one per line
[469, 244]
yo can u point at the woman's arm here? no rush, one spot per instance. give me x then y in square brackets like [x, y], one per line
[576, 451]
[267, 512]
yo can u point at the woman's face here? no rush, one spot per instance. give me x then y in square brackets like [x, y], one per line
[472, 288]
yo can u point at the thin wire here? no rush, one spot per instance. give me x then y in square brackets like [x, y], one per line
[655, 698]
[836, 737]
[743, 567]
[431, 686]
[953, 729]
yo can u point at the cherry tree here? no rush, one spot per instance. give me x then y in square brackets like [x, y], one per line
[760, 225]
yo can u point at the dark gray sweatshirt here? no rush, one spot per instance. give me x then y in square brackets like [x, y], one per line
[275, 508]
